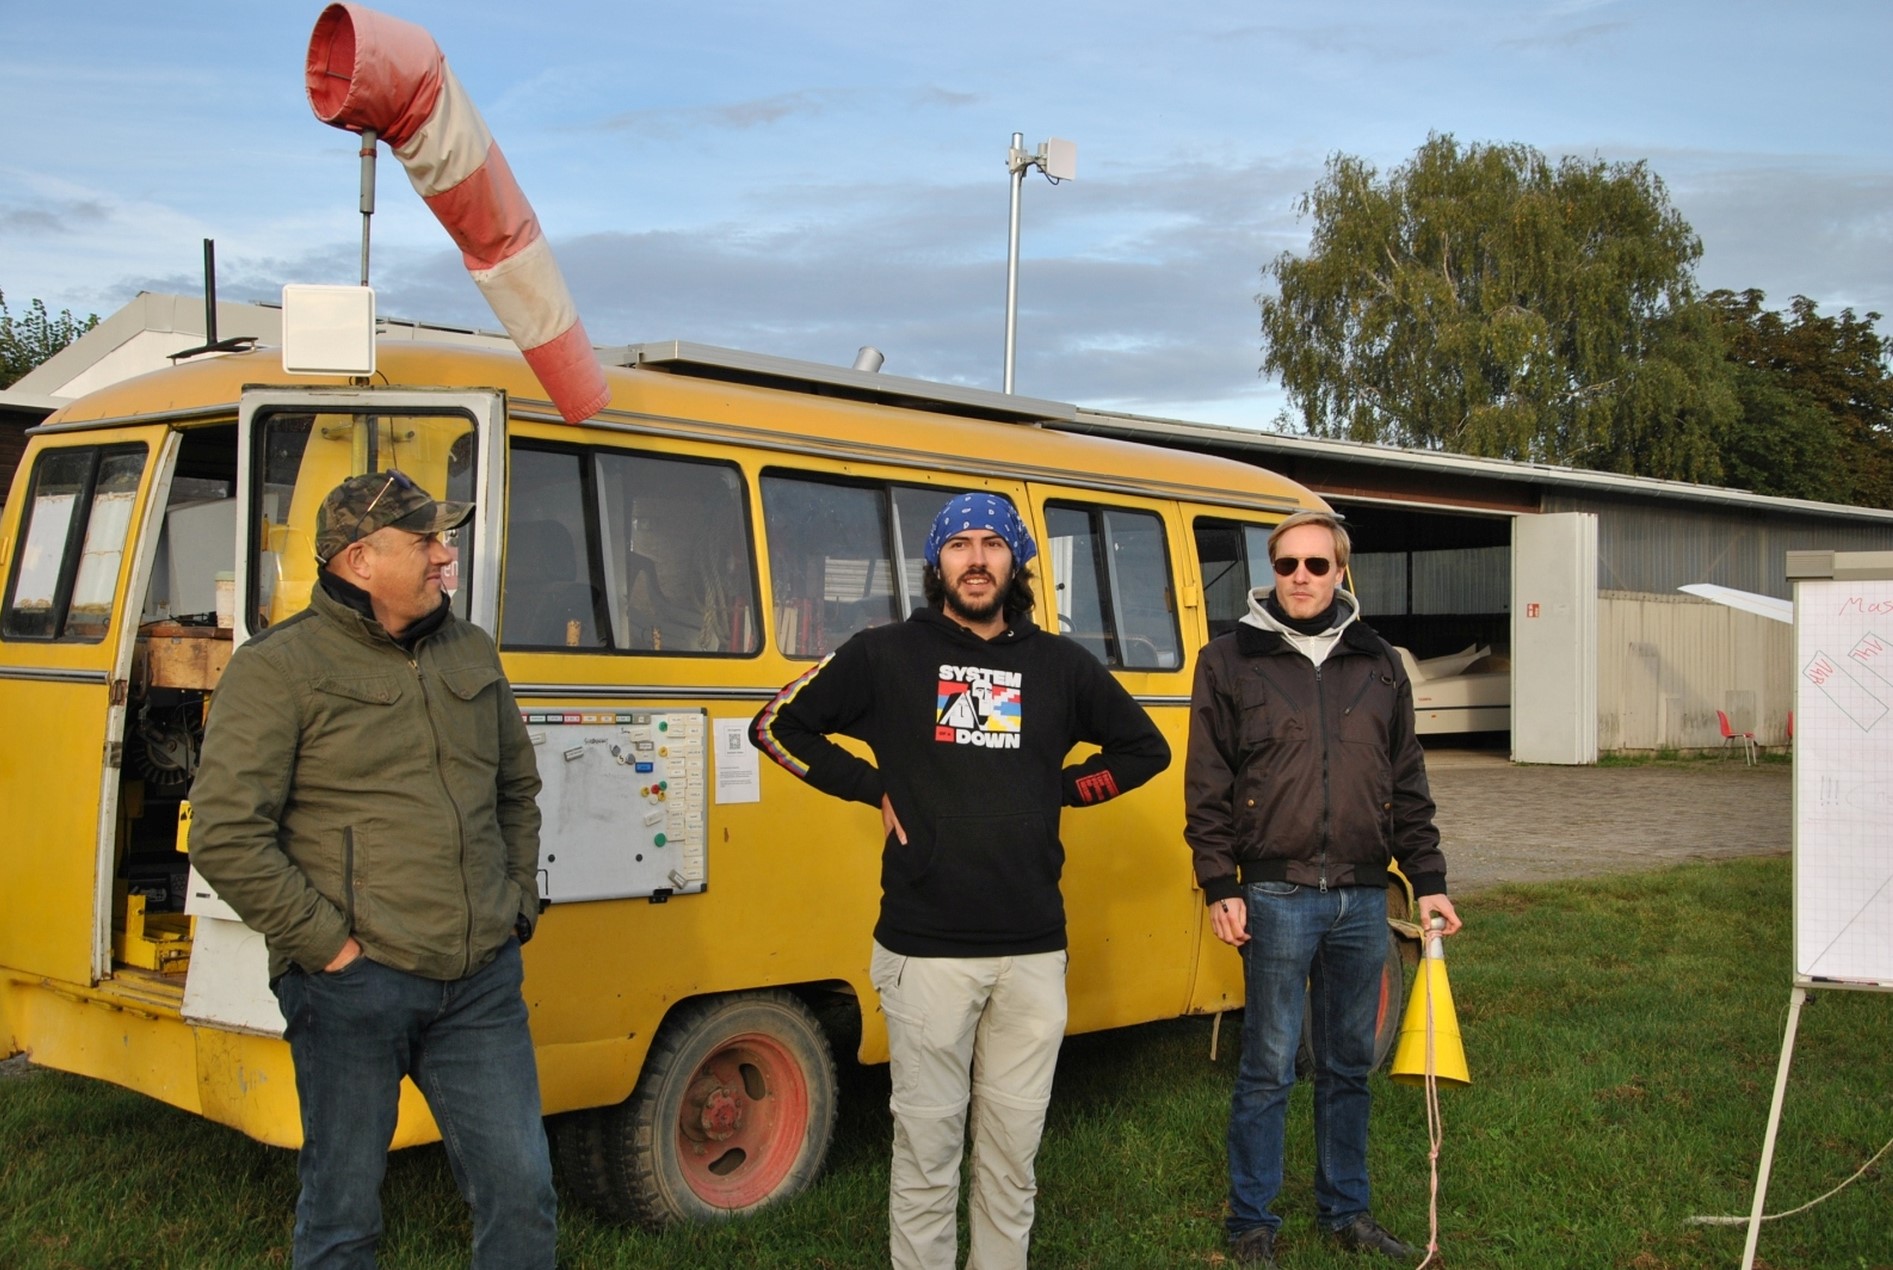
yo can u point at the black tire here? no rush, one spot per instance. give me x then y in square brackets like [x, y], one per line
[578, 1156]
[734, 1110]
[1393, 1005]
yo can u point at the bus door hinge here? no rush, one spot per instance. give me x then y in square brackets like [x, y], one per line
[114, 755]
[121, 689]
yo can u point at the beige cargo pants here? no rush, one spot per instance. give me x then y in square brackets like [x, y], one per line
[980, 1028]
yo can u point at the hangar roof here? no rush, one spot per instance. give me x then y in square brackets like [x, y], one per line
[1413, 467]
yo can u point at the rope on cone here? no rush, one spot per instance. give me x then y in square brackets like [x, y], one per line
[1434, 1133]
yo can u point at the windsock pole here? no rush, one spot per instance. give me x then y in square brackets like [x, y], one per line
[368, 193]
[369, 73]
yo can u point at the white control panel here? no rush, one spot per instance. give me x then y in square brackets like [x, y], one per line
[625, 802]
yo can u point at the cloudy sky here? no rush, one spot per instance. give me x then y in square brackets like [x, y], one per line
[802, 179]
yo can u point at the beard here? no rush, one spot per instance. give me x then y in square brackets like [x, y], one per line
[973, 612]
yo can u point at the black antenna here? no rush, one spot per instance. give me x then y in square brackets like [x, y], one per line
[210, 291]
[211, 344]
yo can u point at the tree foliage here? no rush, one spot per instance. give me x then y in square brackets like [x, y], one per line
[1481, 300]
[1816, 399]
[31, 339]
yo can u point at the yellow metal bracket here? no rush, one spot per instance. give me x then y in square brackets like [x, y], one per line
[155, 941]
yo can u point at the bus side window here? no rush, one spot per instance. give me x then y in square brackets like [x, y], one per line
[830, 563]
[64, 579]
[915, 507]
[620, 551]
[675, 538]
[550, 600]
[1112, 577]
[301, 454]
[1232, 557]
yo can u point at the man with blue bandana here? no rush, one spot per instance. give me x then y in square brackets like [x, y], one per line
[969, 709]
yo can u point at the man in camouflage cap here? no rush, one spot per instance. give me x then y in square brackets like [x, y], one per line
[365, 504]
[366, 801]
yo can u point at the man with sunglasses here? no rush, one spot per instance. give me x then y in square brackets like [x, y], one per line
[366, 801]
[1303, 780]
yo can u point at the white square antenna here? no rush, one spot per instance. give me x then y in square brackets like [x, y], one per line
[328, 330]
[1061, 159]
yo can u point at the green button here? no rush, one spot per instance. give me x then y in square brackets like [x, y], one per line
[659, 840]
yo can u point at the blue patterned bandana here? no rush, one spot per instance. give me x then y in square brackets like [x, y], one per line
[981, 511]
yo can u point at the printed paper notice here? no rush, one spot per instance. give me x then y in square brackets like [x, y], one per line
[738, 774]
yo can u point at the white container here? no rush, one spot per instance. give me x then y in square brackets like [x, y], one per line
[226, 600]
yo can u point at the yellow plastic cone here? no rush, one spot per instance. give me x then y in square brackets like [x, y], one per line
[1430, 1013]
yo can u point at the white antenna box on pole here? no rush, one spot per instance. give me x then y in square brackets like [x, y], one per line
[328, 330]
[1061, 159]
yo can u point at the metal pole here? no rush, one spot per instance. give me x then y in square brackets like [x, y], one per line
[368, 193]
[1016, 163]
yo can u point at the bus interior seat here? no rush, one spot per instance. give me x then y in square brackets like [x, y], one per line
[544, 595]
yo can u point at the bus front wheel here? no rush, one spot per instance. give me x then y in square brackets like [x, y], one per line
[734, 1110]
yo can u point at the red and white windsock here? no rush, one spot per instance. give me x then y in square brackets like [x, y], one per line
[368, 70]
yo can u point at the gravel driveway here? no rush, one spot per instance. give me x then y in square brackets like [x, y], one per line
[1501, 823]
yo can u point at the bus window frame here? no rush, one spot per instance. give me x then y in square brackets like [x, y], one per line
[588, 456]
[1103, 567]
[484, 409]
[76, 534]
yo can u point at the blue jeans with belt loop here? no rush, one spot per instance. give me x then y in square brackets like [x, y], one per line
[353, 1035]
[1325, 947]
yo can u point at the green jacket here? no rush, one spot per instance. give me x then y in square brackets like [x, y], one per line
[351, 787]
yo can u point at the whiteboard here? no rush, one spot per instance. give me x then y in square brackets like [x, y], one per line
[1843, 782]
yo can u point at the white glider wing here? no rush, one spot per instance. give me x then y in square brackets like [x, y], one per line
[1747, 601]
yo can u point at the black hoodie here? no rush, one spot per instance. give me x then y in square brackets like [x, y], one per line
[969, 738]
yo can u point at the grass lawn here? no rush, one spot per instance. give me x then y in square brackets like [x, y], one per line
[1622, 1036]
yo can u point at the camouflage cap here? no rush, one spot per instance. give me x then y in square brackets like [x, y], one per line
[373, 501]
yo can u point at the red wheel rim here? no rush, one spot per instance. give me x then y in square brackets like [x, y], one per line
[1384, 1035]
[743, 1122]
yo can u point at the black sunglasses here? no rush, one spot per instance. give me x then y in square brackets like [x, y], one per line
[1317, 565]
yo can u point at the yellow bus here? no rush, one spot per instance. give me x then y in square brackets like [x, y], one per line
[652, 575]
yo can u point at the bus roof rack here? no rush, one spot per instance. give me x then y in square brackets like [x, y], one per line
[706, 361]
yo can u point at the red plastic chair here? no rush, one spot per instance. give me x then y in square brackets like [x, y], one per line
[1730, 736]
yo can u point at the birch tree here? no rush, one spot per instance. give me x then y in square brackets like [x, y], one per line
[1482, 300]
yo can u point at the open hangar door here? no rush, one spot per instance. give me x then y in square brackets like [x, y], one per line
[1499, 614]
[1437, 583]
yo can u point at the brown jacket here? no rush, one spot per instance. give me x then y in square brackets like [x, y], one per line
[1306, 775]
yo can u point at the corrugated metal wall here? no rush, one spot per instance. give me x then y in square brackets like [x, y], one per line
[1643, 546]
[1667, 663]
[1456, 580]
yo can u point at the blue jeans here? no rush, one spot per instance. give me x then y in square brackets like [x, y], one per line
[1325, 947]
[353, 1035]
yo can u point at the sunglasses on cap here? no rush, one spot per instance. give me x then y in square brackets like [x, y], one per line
[396, 480]
[1317, 565]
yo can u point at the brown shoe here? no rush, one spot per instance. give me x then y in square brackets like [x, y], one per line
[1364, 1234]
[1254, 1248]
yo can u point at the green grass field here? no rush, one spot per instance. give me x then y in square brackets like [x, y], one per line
[1622, 1036]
